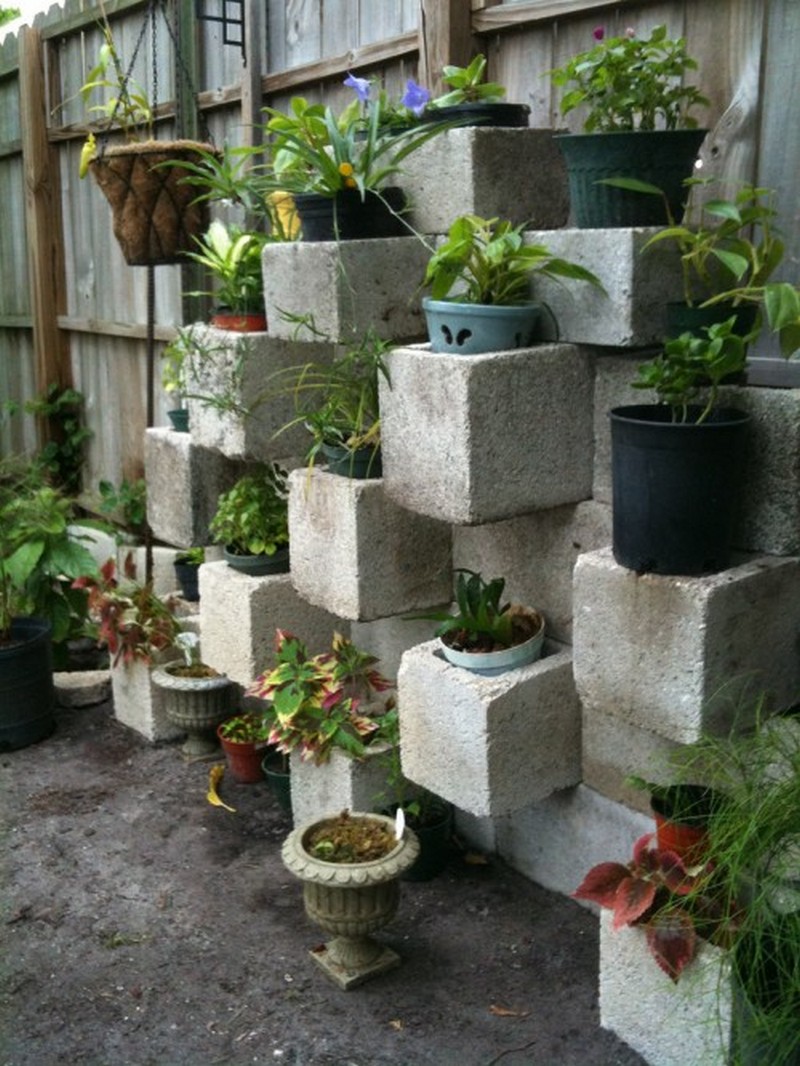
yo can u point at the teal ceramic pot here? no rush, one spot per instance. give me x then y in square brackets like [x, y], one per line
[473, 329]
[258, 565]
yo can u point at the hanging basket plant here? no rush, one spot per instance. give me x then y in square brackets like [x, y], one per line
[156, 214]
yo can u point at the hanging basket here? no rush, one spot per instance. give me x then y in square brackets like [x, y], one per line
[155, 213]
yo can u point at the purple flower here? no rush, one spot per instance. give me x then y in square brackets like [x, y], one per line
[599, 33]
[415, 97]
[359, 85]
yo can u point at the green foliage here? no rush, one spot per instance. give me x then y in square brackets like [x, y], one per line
[8, 14]
[233, 257]
[62, 457]
[491, 263]
[248, 728]
[38, 556]
[690, 364]
[125, 504]
[467, 85]
[338, 402]
[480, 612]
[315, 700]
[631, 83]
[192, 556]
[129, 105]
[252, 517]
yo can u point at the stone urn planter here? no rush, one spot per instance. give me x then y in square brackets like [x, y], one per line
[350, 899]
[196, 705]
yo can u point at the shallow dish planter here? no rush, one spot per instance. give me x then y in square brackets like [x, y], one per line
[239, 321]
[491, 663]
[351, 900]
[471, 329]
[258, 565]
[360, 464]
[482, 113]
[675, 488]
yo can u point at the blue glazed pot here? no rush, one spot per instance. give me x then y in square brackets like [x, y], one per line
[472, 329]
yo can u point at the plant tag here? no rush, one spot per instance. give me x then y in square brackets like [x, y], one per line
[399, 823]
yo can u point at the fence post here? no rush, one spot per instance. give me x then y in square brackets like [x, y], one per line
[445, 37]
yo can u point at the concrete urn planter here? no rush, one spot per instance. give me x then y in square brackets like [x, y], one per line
[195, 705]
[351, 901]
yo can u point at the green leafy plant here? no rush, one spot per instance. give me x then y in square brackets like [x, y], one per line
[39, 557]
[129, 618]
[691, 364]
[482, 622]
[315, 701]
[233, 257]
[62, 457]
[338, 402]
[8, 14]
[467, 85]
[125, 503]
[247, 728]
[629, 83]
[491, 264]
[252, 517]
[192, 556]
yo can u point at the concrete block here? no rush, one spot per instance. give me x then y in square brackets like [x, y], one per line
[233, 406]
[358, 554]
[100, 545]
[184, 482]
[456, 173]
[668, 1023]
[536, 554]
[343, 783]
[679, 655]
[489, 745]
[164, 581]
[350, 288]
[139, 704]
[556, 840]
[82, 688]
[630, 314]
[614, 748]
[477, 439]
[239, 615]
[769, 519]
[388, 638]
[479, 834]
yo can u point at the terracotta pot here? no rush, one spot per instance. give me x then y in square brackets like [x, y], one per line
[240, 321]
[243, 758]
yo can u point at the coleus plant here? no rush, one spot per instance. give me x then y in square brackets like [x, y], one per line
[657, 892]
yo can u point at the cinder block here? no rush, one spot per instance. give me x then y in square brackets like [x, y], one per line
[343, 783]
[679, 655]
[358, 554]
[669, 1023]
[476, 439]
[388, 638]
[555, 841]
[489, 745]
[350, 287]
[184, 482]
[239, 615]
[769, 519]
[536, 555]
[233, 403]
[638, 287]
[614, 748]
[456, 173]
[139, 704]
[164, 581]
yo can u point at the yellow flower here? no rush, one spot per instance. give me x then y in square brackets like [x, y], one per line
[346, 170]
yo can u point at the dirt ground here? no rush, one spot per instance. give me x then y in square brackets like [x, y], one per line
[142, 926]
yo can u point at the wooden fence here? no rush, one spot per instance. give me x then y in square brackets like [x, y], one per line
[72, 311]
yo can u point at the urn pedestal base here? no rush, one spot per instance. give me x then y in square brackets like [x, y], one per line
[329, 958]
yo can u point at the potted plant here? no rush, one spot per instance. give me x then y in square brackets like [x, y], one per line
[485, 635]
[174, 370]
[473, 101]
[233, 257]
[349, 864]
[199, 697]
[317, 703]
[338, 402]
[187, 566]
[676, 464]
[155, 215]
[38, 605]
[682, 812]
[252, 522]
[489, 265]
[336, 168]
[637, 125]
[244, 738]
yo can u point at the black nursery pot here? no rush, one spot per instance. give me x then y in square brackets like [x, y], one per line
[347, 217]
[675, 488]
[188, 575]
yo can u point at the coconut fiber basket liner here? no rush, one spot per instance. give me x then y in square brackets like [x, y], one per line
[154, 217]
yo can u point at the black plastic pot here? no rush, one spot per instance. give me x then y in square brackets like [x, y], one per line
[360, 464]
[188, 575]
[347, 217]
[435, 842]
[500, 113]
[27, 692]
[664, 158]
[258, 565]
[676, 488]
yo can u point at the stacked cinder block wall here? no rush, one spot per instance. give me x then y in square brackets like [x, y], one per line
[501, 463]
